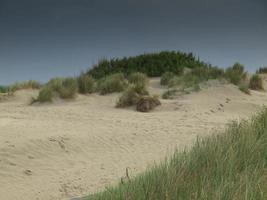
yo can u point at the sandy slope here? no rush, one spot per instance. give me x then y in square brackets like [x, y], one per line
[73, 148]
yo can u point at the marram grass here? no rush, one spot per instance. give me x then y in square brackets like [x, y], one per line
[227, 166]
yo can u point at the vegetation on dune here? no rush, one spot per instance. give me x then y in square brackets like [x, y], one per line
[31, 84]
[244, 88]
[166, 77]
[231, 165]
[138, 78]
[262, 70]
[147, 103]
[45, 95]
[69, 88]
[4, 89]
[129, 97]
[255, 82]
[112, 83]
[235, 74]
[153, 64]
[86, 84]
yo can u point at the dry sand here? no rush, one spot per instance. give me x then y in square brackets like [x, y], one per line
[69, 149]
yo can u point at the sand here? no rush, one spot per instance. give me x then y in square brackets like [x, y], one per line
[70, 149]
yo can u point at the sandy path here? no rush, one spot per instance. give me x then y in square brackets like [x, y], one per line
[70, 149]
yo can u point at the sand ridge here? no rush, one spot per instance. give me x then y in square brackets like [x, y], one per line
[70, 149]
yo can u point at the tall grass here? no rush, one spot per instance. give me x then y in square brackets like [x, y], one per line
[226, 166]
[31, 84]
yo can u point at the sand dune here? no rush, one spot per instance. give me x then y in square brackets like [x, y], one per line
[69, 149]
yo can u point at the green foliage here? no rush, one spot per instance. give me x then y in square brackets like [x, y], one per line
[153, 64]
[112, 83]
[262, 70]
[230, 165]
[45, 95]
[86, 84]
[128, 98]
[166, 77]
[55, 84]
[244, 88]
[235, 74]
[69, 88]
[255, 82]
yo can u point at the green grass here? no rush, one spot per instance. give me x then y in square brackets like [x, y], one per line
[4, 89]
[225, 166]
[112, 83]
[166, 77]
[45, 95]
[86, 84]
[31, 84]
[255, 82]
[235, 74]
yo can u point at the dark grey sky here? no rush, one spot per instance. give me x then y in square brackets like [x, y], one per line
[40, 39]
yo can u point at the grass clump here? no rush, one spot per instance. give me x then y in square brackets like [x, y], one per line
[45, 95]
[147, 103]
[31, 84]
[169, 94]
[138, 78]
[255, 82]
[86, 84]
[231, 165]
[166, 77]
[69, 88]
[235, 74]
[129, 97]
[112, 83]
[4, 89]
[244, 88]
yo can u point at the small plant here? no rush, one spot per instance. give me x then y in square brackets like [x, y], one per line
[129, 97]
[45, 95]
[112, 83]
[69, 88]
[147, 103]
[244, 88]
[86, 84]
[255, 82]
[138, 78]
[31, 84]
[235, 74]
[55, 84]
[166, 77]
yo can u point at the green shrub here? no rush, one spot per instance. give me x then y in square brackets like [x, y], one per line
[56, 84]
[235, 74]
[166, 77]
[69, 88]
[151, 64]
[45, 95]
[255, 82]
[138, 78]
[112, 83]
[86, 84]
[244, 88]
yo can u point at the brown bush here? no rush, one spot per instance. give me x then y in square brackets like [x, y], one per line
[147, 103]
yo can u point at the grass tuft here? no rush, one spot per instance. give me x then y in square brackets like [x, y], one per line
[255, 82]
[230, 165]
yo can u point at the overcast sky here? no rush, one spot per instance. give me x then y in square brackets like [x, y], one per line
[40, 39]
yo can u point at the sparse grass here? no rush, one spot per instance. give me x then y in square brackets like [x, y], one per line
[166, 77]
[4, 89]
[129, 97]
[31, 84]
[244, 88]
[255, 82]
[55, 84]
[112, 83]
[230, 165]
[86, 84]
[262, 70]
